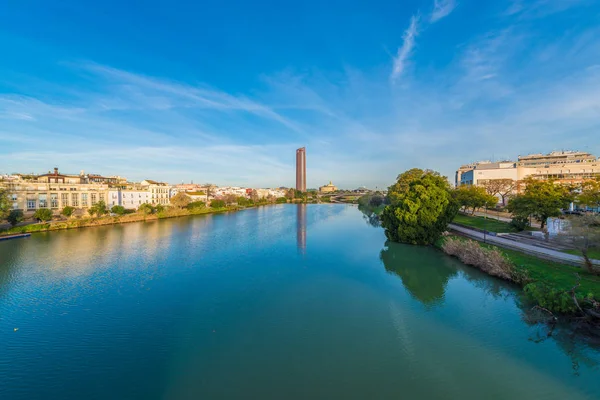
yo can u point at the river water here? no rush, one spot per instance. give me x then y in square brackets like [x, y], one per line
[278, 302]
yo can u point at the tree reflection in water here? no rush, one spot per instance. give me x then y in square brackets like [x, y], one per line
[423, 273]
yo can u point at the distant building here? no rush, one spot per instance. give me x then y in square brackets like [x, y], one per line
[329, 188]
[130, 198]
[160, 192]
[301, 169]
[561, 166]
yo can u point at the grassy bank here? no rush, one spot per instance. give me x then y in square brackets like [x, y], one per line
[489, 224]
[111, 220]
[548, 283]
[593, 253]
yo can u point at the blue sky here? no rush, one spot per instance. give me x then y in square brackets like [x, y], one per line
[224, 91]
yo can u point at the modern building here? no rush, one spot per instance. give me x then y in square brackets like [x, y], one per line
[564, 167]
[301, 169]
[329, 188]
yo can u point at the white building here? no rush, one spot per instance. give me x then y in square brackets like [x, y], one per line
[129, 198]
[160, 192]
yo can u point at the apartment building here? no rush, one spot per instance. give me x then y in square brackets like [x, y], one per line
[160, 192]
[54, 191]
[130, 197]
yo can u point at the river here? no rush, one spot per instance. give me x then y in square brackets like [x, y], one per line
[277, 302]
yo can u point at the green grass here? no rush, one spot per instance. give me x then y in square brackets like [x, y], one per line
[489, 224]
[557, 275]
[593, 253]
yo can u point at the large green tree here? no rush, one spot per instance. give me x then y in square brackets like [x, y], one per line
[14, 217]
[5, 204]
[99, 209]
[474, 197]
[422, 212]
[541, 199]
[403, 181]
[43, 214]
[590, 193]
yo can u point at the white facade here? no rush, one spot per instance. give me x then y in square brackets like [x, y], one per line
[129, 198]
[160, 192]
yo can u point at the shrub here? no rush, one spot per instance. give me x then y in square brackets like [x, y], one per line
[552, 299]
[159, 208]
[14, 217]
[281, 200]
[67, 211]
[217, 204]
[145, 209]
[491, 261]
[119, 210]
[196, 205]
[520, 222]
[43, 214]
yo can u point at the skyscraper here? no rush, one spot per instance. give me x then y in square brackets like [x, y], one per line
[301, 169]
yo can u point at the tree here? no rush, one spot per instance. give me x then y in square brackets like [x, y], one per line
[99, 209]
[5, 204]
[209, 191]
[43, 214]
[119, 210]
[67, 211]
[180, 200]
[422, 213]
[290, 194]
[217, 203]
[14, 217]
[146, 209]
[230, 199]
[196, 205]
[281, 200]
[254, 196]
[590, 193]
[473, 197]
[501, 187]
[583, 234]
[403, 181]
[541, 199]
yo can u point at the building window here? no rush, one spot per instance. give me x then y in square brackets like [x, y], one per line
[53, 200]
[75, 200]
[14, 197]
[64, 199]
[31, 204]
[84, 199]
[94, 199]
[43, 198]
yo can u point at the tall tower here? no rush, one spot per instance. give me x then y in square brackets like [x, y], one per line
[301, 169]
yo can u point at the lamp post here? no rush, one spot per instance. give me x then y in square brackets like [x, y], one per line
[485, 224]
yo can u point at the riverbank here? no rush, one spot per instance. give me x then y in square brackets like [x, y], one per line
[113, 220]
[556, 287]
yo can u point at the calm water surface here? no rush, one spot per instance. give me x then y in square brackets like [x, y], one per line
[280, 302]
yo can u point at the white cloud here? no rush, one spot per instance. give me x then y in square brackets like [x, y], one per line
[405, 51]
[441, 9]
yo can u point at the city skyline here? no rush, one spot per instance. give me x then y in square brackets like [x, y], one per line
[160, 94]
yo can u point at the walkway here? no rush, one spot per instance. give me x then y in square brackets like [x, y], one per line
[541, 252]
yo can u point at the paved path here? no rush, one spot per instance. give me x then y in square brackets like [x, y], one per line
[527, 248]
[534, 223]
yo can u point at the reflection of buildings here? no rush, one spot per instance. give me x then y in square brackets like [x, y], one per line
[301, 228]
[301, 169]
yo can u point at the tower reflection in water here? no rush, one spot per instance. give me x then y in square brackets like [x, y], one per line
[301, 228]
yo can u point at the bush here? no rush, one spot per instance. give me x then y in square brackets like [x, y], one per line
[196, 205]
[145, 209]
[493, 262]
[520, 222]
[43, 214]
[159, 208]
[14, 217]
[67, 211]
[552, 299]
[217, 204]
[119, 210]
[281, 200]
